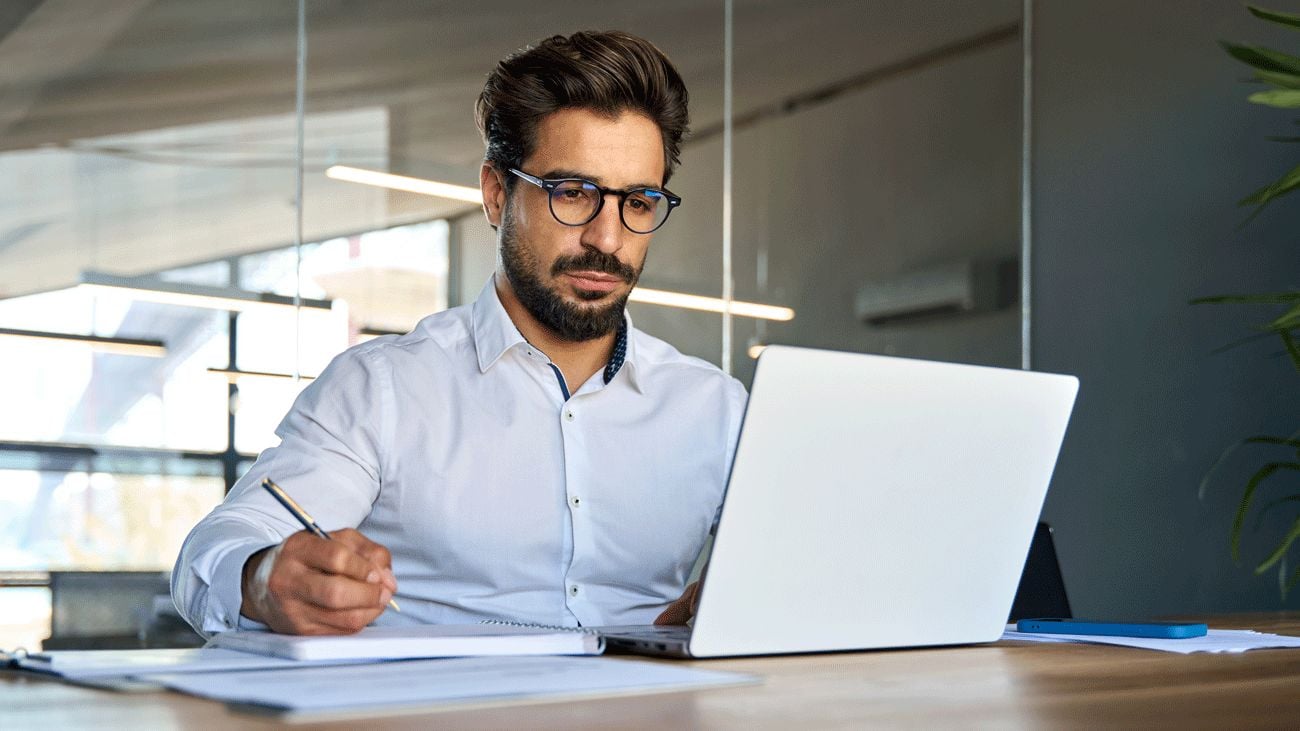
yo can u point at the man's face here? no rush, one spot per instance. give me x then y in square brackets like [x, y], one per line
[575, 280]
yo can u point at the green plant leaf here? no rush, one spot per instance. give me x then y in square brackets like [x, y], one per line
[1281, 549]
[1277, 78]
[1290, 584]
[1259, 517]
[1234, 538]
[1241, 341]
[1275, 16]
[1292, 348]
[1264, 59]
[1287, 320]
[1267, 298]
[1281, 186]
[1279, 98]
[1291, 441]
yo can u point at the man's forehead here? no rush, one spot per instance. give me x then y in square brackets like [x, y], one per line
[622, 150]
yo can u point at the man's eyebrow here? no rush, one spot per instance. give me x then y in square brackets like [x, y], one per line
[564, 173]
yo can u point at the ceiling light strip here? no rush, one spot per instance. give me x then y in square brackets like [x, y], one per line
[114, 345]
[234, 374]
[191, 295]
[710, 304]
[404, 182]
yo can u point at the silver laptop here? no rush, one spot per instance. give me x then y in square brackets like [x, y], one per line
[874, 502]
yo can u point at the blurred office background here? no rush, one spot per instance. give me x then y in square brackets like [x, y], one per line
[165, 293]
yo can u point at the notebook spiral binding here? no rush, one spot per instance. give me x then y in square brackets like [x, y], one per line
[551, 627]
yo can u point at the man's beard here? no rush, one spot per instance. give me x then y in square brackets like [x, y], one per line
[569, 321]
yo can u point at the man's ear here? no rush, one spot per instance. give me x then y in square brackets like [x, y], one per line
[494, 193]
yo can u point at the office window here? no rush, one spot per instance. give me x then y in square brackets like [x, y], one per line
[99, 521]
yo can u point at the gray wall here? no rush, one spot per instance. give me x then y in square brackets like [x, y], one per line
[920, 168]
[1143, 143]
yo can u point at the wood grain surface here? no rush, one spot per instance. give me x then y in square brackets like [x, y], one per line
[1002, 685]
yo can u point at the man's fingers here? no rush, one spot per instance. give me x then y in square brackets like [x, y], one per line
[339, 592]
[358, 542]
[375, 553]
[331, 557]
[347, 621]
[683, 608]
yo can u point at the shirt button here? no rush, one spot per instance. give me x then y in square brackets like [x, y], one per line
[573, 590]
[568, 415]
[575, 501]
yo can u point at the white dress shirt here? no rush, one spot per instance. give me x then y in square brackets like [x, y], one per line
[455, 447]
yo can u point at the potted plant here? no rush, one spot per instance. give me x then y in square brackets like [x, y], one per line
[1279, 73]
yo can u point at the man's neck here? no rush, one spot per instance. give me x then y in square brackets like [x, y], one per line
[577, 360]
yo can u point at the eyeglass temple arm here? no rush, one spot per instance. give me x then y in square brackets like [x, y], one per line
[530, 178]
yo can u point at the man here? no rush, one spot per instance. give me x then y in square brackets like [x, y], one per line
[530, 457]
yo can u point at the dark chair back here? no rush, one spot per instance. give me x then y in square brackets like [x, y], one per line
[1042, 590]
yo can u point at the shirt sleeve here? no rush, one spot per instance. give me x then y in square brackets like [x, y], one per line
[329, 459]
[737, 398]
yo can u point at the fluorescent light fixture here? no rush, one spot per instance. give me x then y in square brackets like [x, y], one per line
[404, 182]
[710, 304]
[117, 346]
[147, 289]
[234, 374]
[366, 334]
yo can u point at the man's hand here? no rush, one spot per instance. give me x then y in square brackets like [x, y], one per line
[683, 609]
[316, 586]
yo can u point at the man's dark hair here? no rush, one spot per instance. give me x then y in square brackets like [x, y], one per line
[605, 72]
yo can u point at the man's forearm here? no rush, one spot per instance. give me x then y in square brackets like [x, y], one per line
[253, 584]
[207, 579]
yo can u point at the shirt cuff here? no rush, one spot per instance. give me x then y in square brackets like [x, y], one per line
[225, 593]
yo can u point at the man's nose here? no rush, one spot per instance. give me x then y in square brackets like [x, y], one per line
[605, 231]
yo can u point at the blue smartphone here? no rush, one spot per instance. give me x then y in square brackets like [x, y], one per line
[1162, 630]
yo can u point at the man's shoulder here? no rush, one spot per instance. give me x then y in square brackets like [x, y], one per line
[442, 333]
[658, 358]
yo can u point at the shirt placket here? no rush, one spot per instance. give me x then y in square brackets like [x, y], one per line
[578, 421]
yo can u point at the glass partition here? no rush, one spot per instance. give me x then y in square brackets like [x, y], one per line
[145, 147]
[877, 177]
[164, 297]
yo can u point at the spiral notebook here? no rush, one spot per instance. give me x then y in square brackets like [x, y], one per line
[422, 641]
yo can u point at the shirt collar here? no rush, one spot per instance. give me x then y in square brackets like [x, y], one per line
[495, 333]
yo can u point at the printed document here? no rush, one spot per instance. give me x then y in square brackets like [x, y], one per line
[1216, 640]
[411, 685]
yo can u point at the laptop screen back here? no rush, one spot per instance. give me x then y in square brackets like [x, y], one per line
[878, 502]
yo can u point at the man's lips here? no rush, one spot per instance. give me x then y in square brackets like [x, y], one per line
[594, 281]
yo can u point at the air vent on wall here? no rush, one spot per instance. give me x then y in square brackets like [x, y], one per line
[955, 287]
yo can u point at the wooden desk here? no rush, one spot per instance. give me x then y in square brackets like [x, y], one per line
[1000, 685]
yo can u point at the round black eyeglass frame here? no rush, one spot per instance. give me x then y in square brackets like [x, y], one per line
[550, 184]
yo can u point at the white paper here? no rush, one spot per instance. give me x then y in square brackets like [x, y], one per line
[416, 641]
[78, 665]
[1216, 640]
[420, 683]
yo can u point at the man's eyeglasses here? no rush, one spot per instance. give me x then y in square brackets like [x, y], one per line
[575, 202]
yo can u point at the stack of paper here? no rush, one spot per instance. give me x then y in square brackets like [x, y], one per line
[418, 641]
[1216, 640]
[118, 669]
[410, 685]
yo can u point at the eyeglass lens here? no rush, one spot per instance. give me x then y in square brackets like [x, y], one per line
[575, 202]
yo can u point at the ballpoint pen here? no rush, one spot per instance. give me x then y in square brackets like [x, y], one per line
[283, 498]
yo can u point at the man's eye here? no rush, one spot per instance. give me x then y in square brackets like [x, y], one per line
[572, 195]
[642, 202]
